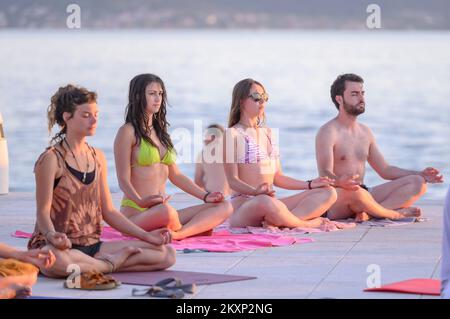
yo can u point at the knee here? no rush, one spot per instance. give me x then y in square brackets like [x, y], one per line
[266, 203]
[418, 184]
[330, 194]
[226, 208]
[169, 215]
[359, 196]
[169, 257]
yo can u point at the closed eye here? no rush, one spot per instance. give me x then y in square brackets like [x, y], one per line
[154, 92]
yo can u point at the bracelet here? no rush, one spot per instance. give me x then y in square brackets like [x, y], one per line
[309, 184]
[206, 195]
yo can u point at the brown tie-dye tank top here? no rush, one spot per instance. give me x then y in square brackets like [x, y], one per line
[76, 207]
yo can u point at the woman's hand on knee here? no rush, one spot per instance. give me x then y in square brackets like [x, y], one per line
[214, 197]
[158, 237]
[58, 240]
[322, 181]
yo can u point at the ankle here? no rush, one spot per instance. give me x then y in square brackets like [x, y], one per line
[109, 264]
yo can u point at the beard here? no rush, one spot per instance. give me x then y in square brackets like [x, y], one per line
[354, 109]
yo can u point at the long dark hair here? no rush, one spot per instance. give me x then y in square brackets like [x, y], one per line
[136, 114]
[241, 91]
[66, 99]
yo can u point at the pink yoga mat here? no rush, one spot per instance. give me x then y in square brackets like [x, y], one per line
[412, 286]
[187, 277]
[221, 241]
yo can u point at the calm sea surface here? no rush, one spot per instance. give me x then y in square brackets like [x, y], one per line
[407, 82]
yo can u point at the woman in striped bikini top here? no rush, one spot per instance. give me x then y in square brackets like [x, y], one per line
[255, 168]
[253, 151]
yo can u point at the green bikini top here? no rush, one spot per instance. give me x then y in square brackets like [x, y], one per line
[149, 154]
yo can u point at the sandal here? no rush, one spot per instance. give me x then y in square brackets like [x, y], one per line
[176, 283]
[167, 288]
[93, 280]
[155, 291]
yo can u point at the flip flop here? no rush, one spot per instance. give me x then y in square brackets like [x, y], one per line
[167, 288]
[155, 291]
[94, 280]
[174, 282]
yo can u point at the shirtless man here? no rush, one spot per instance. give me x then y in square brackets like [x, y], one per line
[343, 145]
[209, 173]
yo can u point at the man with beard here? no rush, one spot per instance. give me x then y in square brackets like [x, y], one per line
[343, 145]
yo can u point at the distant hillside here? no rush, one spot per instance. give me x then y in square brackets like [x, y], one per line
[293, 14]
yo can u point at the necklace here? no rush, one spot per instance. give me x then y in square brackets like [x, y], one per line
[76, 161]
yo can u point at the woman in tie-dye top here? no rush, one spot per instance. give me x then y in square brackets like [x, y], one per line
[73, 198]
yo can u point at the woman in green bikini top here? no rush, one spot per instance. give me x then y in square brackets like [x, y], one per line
[146, 159]
[149, 154]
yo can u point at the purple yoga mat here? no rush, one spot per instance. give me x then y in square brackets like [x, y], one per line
[187, 277]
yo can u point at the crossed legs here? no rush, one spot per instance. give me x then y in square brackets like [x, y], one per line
[300, 210]
[391, 200]
[183, 223]
[133, 255]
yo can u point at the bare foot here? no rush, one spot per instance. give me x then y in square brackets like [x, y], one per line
[267, 224]
[176, 235]
[205, 233]
[362, 217]
[316, 222]
[21, 291]
[409, 212]
[117, 259]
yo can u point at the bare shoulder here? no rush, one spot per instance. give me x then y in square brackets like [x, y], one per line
[48, 157]
[329, 129]
[47, 162]
[231, 129]
[126, 130]
[125, 136]
[100, 155]
[230, 132]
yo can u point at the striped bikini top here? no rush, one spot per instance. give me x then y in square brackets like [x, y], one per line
[253, 152]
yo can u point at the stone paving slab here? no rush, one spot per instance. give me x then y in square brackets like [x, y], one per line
[333, 266]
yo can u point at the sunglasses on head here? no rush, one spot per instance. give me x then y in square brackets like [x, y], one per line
[258, 97]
